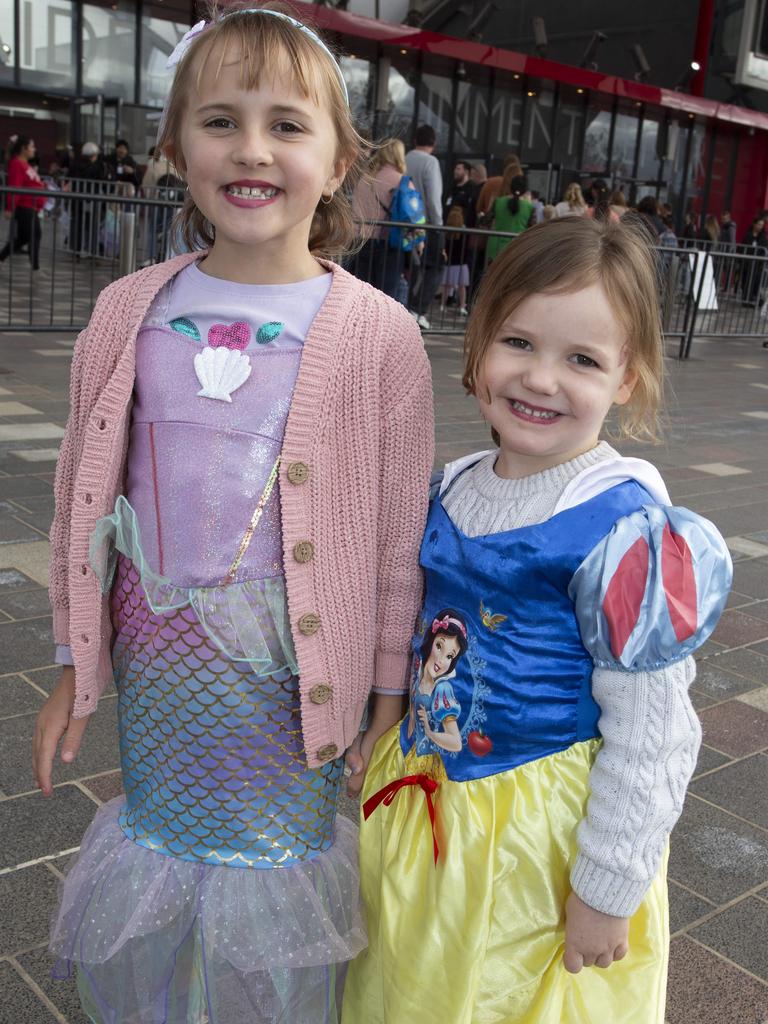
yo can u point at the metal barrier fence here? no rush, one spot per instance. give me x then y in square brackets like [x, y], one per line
[94, 233]
[55, 262]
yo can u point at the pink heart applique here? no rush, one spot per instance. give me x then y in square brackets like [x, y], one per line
[235, 335]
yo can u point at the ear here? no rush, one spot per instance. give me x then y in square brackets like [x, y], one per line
[627, 386]
[336, 179]
[174, 156]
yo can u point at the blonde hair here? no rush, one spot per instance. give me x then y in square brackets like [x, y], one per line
[574, 196]
[266, 45]
[566, 255]
[388, 153]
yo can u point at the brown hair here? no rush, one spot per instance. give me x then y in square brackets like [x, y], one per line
[565, 255]
[618, 198]
[274, 44]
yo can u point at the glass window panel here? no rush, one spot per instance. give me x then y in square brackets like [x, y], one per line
[397, 119]
[506, 119]
[7, 56]
[471, 119]
[597, 137]
[357, 75]
[648, 160]
[158, 38]
[569, 129]
[697, 167]
[624, 143]
[109, 49]
[436, 108]
[47, 56]
[673, 167]
[537, 131]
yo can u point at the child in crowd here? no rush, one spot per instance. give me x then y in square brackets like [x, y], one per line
[240, 496]
[517, 820]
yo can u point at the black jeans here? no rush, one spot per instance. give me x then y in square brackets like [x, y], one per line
[25, 230]
[425, 283]
[380, 265]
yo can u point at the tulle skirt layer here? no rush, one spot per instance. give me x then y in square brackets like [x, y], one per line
[160, 940]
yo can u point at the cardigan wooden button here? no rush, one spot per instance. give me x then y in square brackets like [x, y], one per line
[304, 551]
[320, 694]
[298, 472]
[327, 752]
[88, 499]
[309, 624]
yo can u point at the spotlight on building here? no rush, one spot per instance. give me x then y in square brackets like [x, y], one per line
[687, 76]
[5, 52]
[540, 36]
[461, 70]
[588, 58]
[641, 63]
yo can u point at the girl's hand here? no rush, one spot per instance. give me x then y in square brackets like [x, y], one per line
[54, 721]
[387, 710]
[591, 937]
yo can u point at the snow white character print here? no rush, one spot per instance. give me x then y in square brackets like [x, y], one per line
[434, 711]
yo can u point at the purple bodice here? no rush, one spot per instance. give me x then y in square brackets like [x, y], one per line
[198, 466]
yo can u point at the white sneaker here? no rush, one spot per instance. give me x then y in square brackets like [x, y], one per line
[423, 323]
[463, 311]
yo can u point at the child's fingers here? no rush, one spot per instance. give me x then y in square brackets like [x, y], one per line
[355, 768]
[621, 951]
[73, 737]
[604, 960]
[573, 961]
[44, 751]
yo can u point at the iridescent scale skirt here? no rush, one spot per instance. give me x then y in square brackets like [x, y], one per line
[223, 889]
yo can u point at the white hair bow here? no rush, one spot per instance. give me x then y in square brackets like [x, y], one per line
[184, 43]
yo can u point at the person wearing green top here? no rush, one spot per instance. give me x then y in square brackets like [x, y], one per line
[510, 213]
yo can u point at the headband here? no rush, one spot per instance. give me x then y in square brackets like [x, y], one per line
[447, 621]
[186, 40]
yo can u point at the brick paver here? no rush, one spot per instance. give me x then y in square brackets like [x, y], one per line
[715, 460]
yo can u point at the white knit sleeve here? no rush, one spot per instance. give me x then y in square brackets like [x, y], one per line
[651, 737]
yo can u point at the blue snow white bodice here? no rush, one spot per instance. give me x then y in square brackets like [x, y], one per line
[514, 623]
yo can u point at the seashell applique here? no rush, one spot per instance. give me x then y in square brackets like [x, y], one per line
[221, 371]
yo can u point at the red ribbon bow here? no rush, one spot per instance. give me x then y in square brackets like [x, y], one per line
[389, 792]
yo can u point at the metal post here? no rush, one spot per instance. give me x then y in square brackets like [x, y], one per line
[127, 243]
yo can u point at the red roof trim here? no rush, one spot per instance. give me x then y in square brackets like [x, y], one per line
[390, 34]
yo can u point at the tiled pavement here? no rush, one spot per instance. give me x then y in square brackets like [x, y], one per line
[715, 460]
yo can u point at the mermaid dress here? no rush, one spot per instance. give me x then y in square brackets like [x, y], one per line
[222, 888]
[472, 803]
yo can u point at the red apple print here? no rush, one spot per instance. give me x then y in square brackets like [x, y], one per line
[479, 743]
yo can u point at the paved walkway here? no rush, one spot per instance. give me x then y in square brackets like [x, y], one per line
[715, 460]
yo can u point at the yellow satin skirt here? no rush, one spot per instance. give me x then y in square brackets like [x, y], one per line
[478, 938]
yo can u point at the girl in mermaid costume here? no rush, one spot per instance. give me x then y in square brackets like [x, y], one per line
[219, 484]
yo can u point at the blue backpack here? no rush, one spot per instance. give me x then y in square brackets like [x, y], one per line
[407, 205]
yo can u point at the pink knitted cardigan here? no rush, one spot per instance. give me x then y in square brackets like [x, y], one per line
[354, 475]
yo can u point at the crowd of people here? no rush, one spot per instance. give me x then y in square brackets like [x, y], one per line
[84, 229]
[447, 268]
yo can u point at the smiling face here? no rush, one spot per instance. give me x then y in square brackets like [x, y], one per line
[551, 375]
[441, 656]
[257, 163]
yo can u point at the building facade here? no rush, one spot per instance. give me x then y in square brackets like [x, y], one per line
[72, 71]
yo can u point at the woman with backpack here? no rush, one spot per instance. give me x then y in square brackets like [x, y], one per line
[377, 261]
